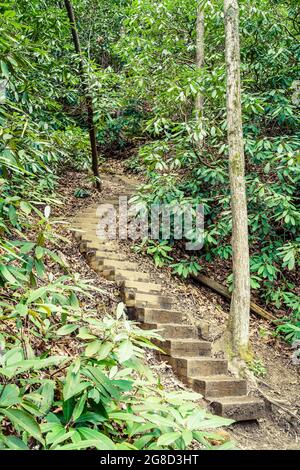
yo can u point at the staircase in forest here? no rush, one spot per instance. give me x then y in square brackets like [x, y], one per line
[184, 347]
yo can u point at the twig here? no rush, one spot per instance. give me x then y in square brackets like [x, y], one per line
[276, 403]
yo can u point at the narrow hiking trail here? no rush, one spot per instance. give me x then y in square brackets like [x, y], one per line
[189, 346]
[190, 356]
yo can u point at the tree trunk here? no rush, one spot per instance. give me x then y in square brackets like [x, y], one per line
[238, 326]
[88, 99]
[199, 104]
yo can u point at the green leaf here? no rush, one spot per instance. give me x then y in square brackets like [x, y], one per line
[39, 252]
[104, 443]
[168, 438]
[25, 421]
[125, 351]
[9, 395]
[25, 207]
[187, 437]
[104, 350]
[73, 385]
[4, 69]
[84, 333]
[79, 407]
[99, 444]
[39, 267]
[93, 348]
[37, 294]
[66, 329]
[14, 443]
[196, 418]
[7, 275]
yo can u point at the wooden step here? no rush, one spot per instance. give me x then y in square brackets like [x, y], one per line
[184, 347]
[198, 366]
[243, 408]
[219, 386]
[147, 300]
[172, 330]
[121, 274]
[123, 265]
[100, 256]
[136, 286]
[86, 245]
[157, 315]
[87, 225]
[108, 247]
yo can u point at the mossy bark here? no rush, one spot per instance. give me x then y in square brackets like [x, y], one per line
[238, 327]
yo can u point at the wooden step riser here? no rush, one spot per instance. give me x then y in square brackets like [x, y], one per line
[172, 332]
[193, 367]
[107, 267]
[98, 258]
[108, 248]
[121, 275]
[85, 245]
[183, 349]
[147, 304]
[221, 388]
[132, 298]
[141, 287]
[239, 412]
[148, 315]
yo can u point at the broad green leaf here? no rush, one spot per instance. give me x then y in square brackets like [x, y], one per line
[168, 438]
[66, 329]
[125, 351]
[9, 395]
[25, 421]
[6, 274]
[14, 443]
[93, 348]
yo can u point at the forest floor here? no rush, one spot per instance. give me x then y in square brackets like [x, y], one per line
[279, 384]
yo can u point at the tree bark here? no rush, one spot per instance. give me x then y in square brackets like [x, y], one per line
[88, 99]
[199, 102]
[238, 326]
[200, 54]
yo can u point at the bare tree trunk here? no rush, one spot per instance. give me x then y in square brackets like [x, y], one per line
[200, 28]
[88, 99]
[240, 304]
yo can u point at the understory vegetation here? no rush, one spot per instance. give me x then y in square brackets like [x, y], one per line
[139, 72]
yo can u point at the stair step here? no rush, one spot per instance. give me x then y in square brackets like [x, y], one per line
[219, 386]
[157, 315]
[101, 255]
[184, 347]
[172, 330]
[198, 366]
[123, 265]
[121, 274]
[147, 300]
[107, 246]
[87, 245]
[89, 217]
[243, 408]
[136, 286]
[88, 226]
